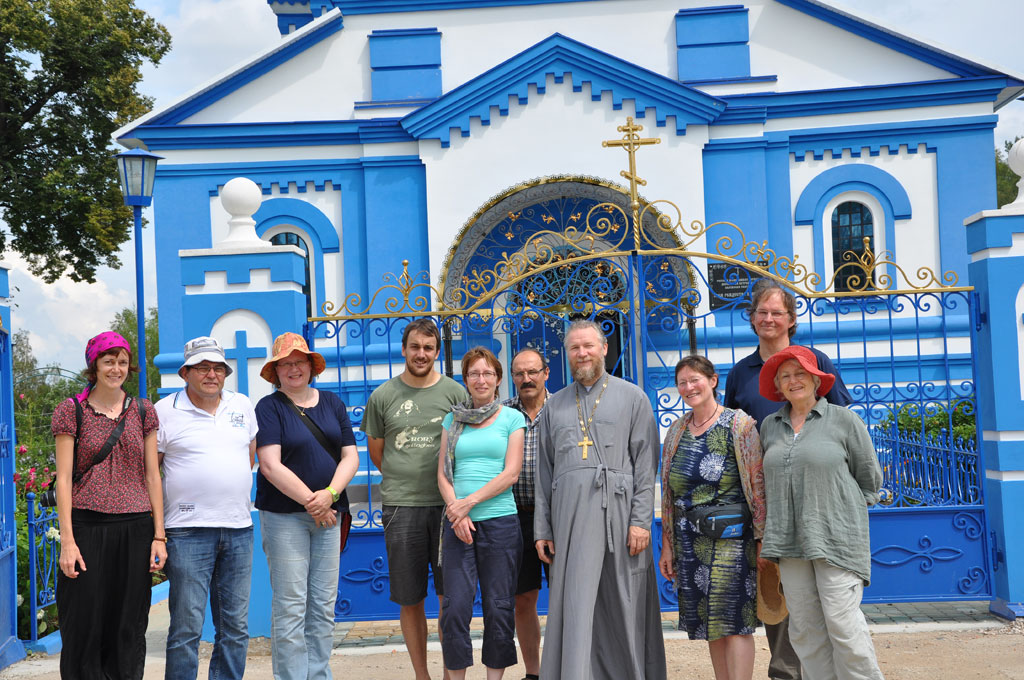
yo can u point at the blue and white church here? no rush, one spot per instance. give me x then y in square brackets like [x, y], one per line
[383, 132]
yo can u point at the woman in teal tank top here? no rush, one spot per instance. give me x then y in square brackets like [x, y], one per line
[481, 455]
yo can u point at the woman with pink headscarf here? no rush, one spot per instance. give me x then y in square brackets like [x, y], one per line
[111, 515]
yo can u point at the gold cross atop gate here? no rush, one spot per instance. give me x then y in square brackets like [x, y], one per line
[631, 141]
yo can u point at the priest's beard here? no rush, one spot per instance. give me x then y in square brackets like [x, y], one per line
[588, 375]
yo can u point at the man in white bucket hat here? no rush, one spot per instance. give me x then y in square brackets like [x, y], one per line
[207, 445]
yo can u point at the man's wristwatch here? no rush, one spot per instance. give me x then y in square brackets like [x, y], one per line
[335, 496]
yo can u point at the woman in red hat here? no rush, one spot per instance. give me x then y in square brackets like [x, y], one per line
[821, 474]
[307, 454]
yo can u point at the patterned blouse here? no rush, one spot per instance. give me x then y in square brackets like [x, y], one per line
[117, 484]
[748, 460]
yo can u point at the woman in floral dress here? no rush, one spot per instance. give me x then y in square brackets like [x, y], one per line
[712, 456]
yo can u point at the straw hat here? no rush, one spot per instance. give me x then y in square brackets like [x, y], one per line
[807, 359]
[284, 345]
[771, 603]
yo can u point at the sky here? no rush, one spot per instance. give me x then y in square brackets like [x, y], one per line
[62, 316]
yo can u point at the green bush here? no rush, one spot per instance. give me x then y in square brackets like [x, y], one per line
[912, 418]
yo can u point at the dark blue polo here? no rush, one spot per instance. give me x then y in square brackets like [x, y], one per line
[741, 387]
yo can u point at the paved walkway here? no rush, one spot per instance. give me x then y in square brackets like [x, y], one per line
[883, 618]
[376, 637]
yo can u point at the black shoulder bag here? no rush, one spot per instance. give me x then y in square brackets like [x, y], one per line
[48, 498]
[345, 520]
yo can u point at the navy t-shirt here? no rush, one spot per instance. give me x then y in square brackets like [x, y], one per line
[741, 387]
[300, 451]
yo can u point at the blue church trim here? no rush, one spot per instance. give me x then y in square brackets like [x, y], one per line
[289, 48]
[875, 181]
[275, 211]
[250, 135]
[282, 266]
[556, 56]
[391, 6]
[323, 235]
[711, 42]
[405, 64]
[874, 97]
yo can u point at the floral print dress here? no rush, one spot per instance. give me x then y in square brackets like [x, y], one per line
[716, 579]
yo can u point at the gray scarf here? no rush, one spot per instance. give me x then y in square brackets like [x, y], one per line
[463, 414]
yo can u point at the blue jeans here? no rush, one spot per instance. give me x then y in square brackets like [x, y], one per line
[492, 560]
[209, 562]
[304, 560]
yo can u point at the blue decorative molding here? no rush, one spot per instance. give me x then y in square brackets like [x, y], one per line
[390, 6]
[556, 56]
[405, 64]
[289, 48]
[283, 266]
[252, 135]
[275, 211]
[874, 97]
[711, 42]
[323, 235]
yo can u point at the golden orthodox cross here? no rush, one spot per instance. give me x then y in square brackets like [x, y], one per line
[585, 443]
[631, 141]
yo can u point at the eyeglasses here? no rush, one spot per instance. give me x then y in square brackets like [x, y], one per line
[765, 313]
[204, 369]
[478, 375]
[692, 382]
[531, 374]
[287, 365]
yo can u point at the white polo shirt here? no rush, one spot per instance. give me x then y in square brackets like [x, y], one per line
[207, 476]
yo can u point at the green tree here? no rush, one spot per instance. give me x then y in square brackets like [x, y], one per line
[1006, 180]
[69, 71]
[126, 324]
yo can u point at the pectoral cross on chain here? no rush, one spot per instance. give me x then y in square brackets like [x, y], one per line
[587, 441]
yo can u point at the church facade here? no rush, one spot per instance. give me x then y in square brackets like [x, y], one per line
[386, 132]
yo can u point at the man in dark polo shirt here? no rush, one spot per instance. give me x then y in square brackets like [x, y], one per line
[773, 319]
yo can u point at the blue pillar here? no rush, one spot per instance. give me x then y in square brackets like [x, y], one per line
[996, 271]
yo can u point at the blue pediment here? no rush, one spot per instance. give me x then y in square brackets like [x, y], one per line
[558, 56]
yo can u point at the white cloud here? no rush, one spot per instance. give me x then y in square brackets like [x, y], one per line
[208, 38]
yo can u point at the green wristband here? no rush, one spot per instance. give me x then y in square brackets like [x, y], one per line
[334, 494]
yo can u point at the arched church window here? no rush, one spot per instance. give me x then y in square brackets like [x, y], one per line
[852, 222]
[287, 238]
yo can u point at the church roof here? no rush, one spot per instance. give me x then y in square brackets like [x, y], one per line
[603, 73]
[557, 56]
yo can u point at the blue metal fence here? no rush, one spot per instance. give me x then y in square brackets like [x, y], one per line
[43, 560]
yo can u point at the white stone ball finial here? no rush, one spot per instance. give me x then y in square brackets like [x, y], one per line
[241, 197]
[1015, 159]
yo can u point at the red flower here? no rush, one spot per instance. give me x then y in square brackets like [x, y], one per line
[22, 449]
[17, 477]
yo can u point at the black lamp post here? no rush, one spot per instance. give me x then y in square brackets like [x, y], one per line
[137, 170]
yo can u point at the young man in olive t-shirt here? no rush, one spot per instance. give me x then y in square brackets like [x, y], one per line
[402, 422]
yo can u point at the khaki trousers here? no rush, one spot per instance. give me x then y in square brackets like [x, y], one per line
[826, 626]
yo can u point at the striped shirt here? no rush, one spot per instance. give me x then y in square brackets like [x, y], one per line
[524, 489]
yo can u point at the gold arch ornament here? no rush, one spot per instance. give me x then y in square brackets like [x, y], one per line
[610, 231]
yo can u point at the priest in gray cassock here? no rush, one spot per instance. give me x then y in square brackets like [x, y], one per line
[596, 464]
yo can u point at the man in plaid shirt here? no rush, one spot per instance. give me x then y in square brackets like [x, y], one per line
[529, 373]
